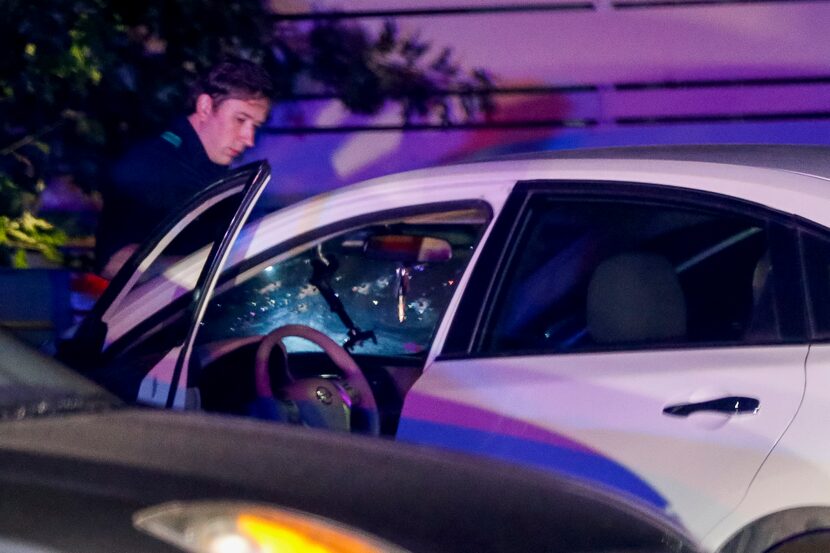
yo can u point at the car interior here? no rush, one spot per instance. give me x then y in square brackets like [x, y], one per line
[596, 276]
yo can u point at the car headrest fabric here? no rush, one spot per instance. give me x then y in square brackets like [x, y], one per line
[635, 297]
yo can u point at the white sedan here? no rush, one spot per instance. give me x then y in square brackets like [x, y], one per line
[646, 318]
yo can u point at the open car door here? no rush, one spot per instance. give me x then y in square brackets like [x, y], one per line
[202, 232]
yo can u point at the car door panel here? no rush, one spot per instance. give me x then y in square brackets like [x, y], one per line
[534, 380]
[213, 219]
[601, 416]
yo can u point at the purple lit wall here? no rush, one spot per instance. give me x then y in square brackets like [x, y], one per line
[576, 74]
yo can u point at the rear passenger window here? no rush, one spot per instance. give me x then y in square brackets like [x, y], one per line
[591, 275]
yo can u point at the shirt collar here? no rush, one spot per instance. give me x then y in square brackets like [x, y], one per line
[192, 148]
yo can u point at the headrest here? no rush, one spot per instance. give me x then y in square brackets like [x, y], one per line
[634, 297]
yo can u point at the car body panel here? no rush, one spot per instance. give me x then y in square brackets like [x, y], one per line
[453, 425]
[611, 404]
[797, 473]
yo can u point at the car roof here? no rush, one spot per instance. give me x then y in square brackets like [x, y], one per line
[807, 159]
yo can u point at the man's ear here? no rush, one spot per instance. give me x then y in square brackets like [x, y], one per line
[204, 105]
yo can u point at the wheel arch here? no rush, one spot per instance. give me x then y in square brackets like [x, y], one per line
[767, 531]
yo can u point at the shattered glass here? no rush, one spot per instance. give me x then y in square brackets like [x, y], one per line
[369, 289]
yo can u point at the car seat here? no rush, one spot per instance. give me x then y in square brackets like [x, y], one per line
[635, 297]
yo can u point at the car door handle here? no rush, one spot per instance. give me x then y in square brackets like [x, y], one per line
[730, 405]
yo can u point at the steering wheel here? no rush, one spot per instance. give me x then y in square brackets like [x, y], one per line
[327, 401]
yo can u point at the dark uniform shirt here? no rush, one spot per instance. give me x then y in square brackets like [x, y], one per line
[152, 180]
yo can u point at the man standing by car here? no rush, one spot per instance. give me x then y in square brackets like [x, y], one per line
[160, 175]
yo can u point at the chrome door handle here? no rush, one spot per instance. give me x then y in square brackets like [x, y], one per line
[730, 405]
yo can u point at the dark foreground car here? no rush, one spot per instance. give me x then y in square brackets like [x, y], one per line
[78, 469]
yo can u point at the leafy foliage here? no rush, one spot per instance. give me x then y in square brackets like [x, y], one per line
[28, 233]
[79, 79]
[367, 71]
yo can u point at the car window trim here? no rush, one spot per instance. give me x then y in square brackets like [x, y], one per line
[817, 231]
[216, 192]
[474, 313]
[210, 273]
[88, 347]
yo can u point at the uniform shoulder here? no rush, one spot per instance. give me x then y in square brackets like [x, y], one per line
[148, 156]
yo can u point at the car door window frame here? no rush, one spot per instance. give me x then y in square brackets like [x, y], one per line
[473, 318]
[123, 282]
[269, 256]
[88, 346]
[229, 274]
[256, 176]
[209, 276]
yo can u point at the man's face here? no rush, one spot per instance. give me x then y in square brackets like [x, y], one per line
[227, 129]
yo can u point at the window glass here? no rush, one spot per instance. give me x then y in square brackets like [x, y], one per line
[593, 275]
[817, 262]
[128, 361]
[392, 300]
[205, 227]
[154, 283]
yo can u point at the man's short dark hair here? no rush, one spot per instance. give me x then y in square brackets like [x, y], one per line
[232, 78]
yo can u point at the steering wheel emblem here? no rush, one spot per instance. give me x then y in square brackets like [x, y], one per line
[323, 401]
[323, 394]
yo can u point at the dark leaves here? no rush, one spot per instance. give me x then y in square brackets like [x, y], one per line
[80, 79]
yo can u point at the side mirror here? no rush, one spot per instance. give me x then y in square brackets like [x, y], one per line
[408, 249]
